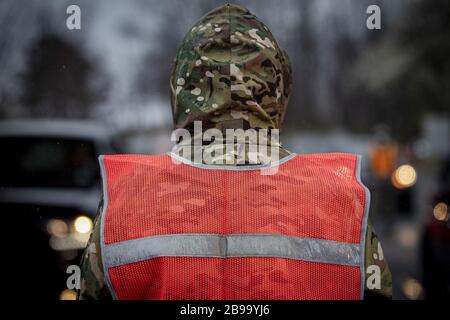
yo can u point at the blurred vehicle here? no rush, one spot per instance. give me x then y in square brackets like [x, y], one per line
[436, 241]
[49, 193]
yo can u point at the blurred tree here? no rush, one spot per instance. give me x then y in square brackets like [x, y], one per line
[404, 75]
[426, 84]
[15, 19]
[304, 66]
[153, 76]
[59, 80]
[428, 31]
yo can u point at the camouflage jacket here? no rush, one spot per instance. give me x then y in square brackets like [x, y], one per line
[230, 72]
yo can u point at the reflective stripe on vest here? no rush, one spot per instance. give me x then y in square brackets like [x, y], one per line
[147, 261]
[233, 245]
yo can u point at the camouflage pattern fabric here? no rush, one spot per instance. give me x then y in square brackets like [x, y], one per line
[92, 286]
[231, 73]
[230, 68]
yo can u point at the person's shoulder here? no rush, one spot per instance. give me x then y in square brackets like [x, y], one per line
[325, 166]
[330, 159]
[118, 167]
[133, 158]
[329, 155]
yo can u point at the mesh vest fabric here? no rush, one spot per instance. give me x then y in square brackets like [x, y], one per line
[310, 196]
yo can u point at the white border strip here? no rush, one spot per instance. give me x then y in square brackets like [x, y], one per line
[102, 228]
[362, 240]
[245, 167]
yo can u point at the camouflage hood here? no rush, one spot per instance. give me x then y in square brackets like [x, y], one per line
[230, 72]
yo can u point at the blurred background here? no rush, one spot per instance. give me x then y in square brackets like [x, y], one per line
[68, 95]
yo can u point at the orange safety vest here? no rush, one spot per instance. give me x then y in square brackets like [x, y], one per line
[193, 231]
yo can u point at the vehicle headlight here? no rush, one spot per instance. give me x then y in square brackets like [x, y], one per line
[83, 224]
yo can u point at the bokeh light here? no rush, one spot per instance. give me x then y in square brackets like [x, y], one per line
[57, 228]
[412, 289]
[83, 224]
[68, 294]
[404, 176]
[407, 236]
[440, 211]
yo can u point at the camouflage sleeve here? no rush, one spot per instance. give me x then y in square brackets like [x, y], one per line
[92, 281]
[378, 276]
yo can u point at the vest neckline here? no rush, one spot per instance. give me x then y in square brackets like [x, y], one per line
[246, 167]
